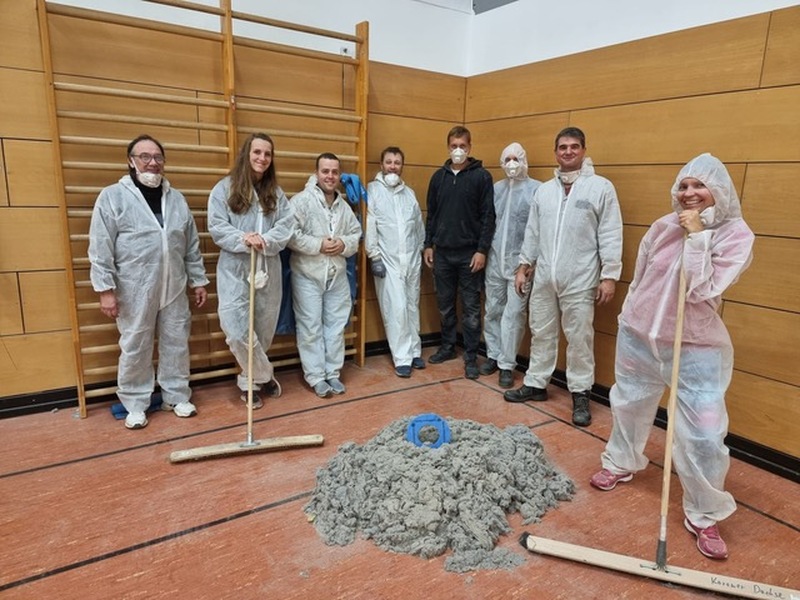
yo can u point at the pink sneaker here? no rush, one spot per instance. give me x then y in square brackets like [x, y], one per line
[606, 480]
[709, 541]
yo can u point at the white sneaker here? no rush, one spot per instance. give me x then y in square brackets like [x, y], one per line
[337, 387]
[184, 410]
[136, 420]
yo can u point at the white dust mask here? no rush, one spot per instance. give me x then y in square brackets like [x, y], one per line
[261, 274]
[458, 156]
[512, 168]
[391, 179]
[567, 178]
[147, 179]
[707, 216]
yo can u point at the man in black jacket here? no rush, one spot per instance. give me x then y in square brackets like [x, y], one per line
[460, 227]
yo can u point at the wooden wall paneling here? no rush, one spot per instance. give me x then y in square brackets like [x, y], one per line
[374, 322]
[3, 180]
[702, 60]
[765, 341]
[423, 141]
[781, 66]
[19, 36]
[29, 168]
[631, 238]
[604, 354]
[535, 133]
[22, 96]
[281, 77]
[135, 54]
[770, 281]
[405, 92]
[672, 130]
[605, 317]
[764, 411]
[39, 358]
[10, 305]
[21, 233]
[44, 301]
[429, 315]
[769, 200]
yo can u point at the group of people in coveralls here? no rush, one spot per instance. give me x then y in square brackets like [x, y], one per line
[546, 252]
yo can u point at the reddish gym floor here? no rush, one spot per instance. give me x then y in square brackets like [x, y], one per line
[92, 510]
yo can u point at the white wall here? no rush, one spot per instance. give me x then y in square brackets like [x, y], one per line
[440, 36]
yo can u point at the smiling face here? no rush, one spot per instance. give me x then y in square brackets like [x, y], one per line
[569, 153]
[392, 163]
[694, 195]
[149, 150]
[328, 175]
[260, 157]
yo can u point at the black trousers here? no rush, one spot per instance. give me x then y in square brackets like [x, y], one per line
[452, 276]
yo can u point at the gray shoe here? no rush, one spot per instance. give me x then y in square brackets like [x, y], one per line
[322, 389]
[337, 387]
[580, 409]
[471, 370]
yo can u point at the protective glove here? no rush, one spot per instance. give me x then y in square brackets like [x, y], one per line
[378, 268]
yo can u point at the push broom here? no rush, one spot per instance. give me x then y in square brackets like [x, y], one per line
[249, 446]
[659, 569]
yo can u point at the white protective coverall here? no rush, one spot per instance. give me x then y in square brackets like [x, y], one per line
[574, 241]
[148, 266]
[506, 311]
[395, 235]
[227, 229]
[712, 260]
[320, 289]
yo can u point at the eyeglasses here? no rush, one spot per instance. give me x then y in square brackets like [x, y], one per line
[146, 158]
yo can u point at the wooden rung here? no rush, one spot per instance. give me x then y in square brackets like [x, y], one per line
[100, 371]
[92, 116]
[211, 10]
[145, 24]
[76, 213]
[276, 133]
[104, 91]
[294, 51]
[95, 141]
[299, 112]
[312, 155]
[97, 166]
[296, 27]
[100, 349]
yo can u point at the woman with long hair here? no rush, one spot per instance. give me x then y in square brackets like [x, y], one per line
[248, 209]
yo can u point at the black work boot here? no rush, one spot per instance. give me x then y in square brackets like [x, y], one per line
[580, 409]
[442, 354]
[525, 393]
[506, 379]
[489, 367]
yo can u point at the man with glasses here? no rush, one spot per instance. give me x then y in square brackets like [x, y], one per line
[144, 250]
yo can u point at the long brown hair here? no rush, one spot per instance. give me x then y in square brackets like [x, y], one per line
[242, 184]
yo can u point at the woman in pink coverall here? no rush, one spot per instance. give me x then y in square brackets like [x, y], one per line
[706, 229]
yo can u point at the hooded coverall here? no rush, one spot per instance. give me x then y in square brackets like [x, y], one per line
[506, 311]
[395, 234]
[320, 288]
[575, 241]
[227, 229]
[148, 266]
[712, 261]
